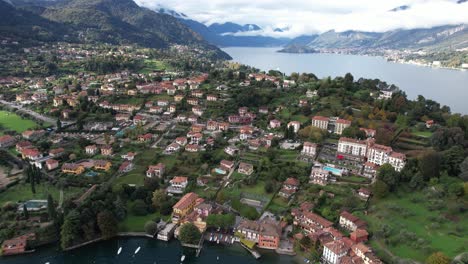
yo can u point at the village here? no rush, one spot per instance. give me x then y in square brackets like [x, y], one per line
[190, 137]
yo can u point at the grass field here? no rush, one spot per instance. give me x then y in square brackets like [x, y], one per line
[22, 192]
[416, 231]
[133, 223]
[154, 65]
[12, 121]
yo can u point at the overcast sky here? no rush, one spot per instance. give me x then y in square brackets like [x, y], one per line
[312, 16]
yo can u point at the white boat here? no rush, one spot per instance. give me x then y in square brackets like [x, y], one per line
[120, 250]
[182, 258]
[138, 249]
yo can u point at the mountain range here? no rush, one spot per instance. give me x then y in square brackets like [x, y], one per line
[109, 21]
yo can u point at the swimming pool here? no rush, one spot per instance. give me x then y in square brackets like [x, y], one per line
[334, 171]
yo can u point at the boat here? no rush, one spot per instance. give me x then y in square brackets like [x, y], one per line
[138, 249]
[120, 250]
[182, 258]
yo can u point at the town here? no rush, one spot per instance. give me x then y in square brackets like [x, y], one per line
[105, 141]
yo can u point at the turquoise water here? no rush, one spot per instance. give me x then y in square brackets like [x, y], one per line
[448, 87]
[152, 251]
[335, 171]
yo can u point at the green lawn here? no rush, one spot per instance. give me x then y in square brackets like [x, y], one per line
[409, 212]
[14, 122]
[133, 223]
[22, 192]
[154, 65]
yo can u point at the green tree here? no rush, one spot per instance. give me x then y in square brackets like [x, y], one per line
[159, 197]
[25, 211]
[438, 258]
[451, 160]
[139, 208]
[70, 229]
[151, 228]
[107, 223]
[387, 174]
[189, 234]
[380, 189]
[464, 170]
[429, 165]
[52, 213]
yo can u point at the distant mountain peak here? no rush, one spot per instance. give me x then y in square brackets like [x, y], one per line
[404, 7]
[461, 1]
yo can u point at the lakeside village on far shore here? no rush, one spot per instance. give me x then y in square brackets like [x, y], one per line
[216, 153]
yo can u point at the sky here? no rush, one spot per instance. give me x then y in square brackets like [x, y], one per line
[317, 16]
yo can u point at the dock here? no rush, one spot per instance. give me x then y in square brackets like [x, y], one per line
[252, 251]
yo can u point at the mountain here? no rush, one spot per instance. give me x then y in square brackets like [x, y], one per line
[400, 8]
[230, 27]
[442, 37]
[109, 21]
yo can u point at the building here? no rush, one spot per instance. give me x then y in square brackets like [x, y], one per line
[20, 146]
[351, 222]
[266, 233]
[290, 187]
[275, 123]
[320, 122]
[309, 149]
[296, 126]
[73, 168]
[56, 152]
[192, 148]
[104, 165]
[31, 154]
[245, 168]
[307, 221]
[156, 170]
[334, 251]
[51, 164]
[7, 141]
[183, 207]
[319, 176]
[352, 147]
[359, 235]
[17, 245]
[364, 193]
[177, 185]
[125, 167]
[172, 148]
[91, 149]
[380, 155]
[106, 150]
[370, 133]
[340, 125]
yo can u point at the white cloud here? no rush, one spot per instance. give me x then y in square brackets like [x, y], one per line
[312, 16]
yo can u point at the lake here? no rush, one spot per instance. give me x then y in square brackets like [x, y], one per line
[152, 251]
[448, 87]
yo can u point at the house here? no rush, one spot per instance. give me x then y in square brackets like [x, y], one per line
[359, 235]
[122, 117]
[102, 165]
[365, 254]
[263, 110]
[429, 123]
[126, 166]
[129, 156]
[245, 132]
[56, 152]
[7, 141]
[364, 193]
[212, 125]
[178, 98]
[31, 154]
[51, 164]
[72, 168]
[184, 206]
[370, 133]
[211, 98]
[91, 149]
[340, 125]
[307, 221]
[156, 109]
[290, 187]
[172, 148]
[231, 150]
[309, 149]
[177, 185]
[380, 155]
[192, 148]
[192, 101]
[156, 170]
[351, 222]
[197, 110]
[227, 164]
[148, 137]
[17, 245]
[266, 233]
[254, 144]
[106, 150]
[311, 94]
[334, 251]
[181, 141]
[243, 110]
[195, 138]
[223, 126]
[57, 101]
[33, 134]
[245, 168]
[296, 126]
[202, 181]
[320, 122]
[139, 120]
[20, 146]
[319, 176]
[275, 123]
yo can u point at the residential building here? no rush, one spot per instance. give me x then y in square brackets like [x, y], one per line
[104, 165]
[7, 141]
[51, 164]
[177, 185]
[31, 154]
[106, 150]
[334, 251]
[320, 122]
[359, 235]
[172, 148]
[319, 176]
[245, 168]
[73, 168]
[309, 149]
[266, 233]
[91, 149]
[156, 170]
[183, 207]
[379, 155]
[370, 133]
[352, 147]
[351, 222]
[296, 126]
[125, 167]
[340, 125]
[290, 187]
[275, 123]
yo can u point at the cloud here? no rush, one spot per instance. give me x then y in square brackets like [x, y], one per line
[317, 16]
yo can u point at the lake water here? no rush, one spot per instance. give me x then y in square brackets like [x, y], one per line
[448, 87]
[152, 251]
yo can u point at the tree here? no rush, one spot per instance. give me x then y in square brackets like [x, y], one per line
[438, 258]
[313, 134]
[456, 189]
[380, 189]
[445, 138]
[387, 174]
[139, 208]
[306, 242]
[59, 124]
[429, 165]
[464, 170]
[107, 223]
[51, 208]
[70, 229]
[269, 187]
[451, 160]
[151, 228]
[25, 211]
[159, 197]
[189, 234]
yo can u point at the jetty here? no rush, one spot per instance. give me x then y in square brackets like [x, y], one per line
[197, 247]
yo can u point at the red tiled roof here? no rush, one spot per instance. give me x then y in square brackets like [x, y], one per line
[185, 201]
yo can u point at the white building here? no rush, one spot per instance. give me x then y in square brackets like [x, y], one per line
[309, 149]
[353, 147]
[295, 124]
[334, 251]
[319, 176]
[379, 155]
[340, 125]
[320, 122]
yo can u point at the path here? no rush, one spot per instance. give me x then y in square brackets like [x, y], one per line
[155, 145]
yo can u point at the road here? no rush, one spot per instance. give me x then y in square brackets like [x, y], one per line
[36, 115]
[155, 145]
